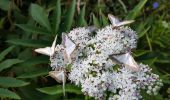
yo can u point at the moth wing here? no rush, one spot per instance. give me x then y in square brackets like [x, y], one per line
[115, 59]
[53, 45]
[124, 23]
[57, 75]
[113, 19]
[69, 46]
[129, 61]
[46, 51]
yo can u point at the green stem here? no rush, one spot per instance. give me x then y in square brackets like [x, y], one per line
[86, 97]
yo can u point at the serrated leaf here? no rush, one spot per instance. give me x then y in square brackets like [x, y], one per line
[137, 10]
[40, 16]
[33, 29]
[58, 89]
[5, 93]
[96, 21]
[81, 18]
[57, 16]
[29, 42]
[9, 63]
[68, 20]
[5, 52]
[12, 82]
[34, 74]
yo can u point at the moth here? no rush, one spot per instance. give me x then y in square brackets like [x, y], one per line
[116, 22]
[49, 51]
[69, 46]
[125, 59]
[59, 76]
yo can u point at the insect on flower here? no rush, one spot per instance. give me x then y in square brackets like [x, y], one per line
[59, 76]
[116, 22]
[125, 59]
[49, 51]
[69, 46]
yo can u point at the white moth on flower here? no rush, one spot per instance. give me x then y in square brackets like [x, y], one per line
[125, 59]
[116, 22]
[96, 72]
[59, 76]
[93, 59]
[49, 51]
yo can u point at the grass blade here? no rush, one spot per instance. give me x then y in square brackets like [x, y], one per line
[68, 20]
[137, 10]
[57, 16]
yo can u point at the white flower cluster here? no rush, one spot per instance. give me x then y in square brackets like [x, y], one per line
[97, 74]
[102, 64]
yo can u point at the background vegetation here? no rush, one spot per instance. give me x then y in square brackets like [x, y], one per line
[29, 24]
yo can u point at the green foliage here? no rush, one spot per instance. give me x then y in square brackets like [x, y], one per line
[29, 42]
[26, 25]
[136, 11]
[11, 82]
[8, 63]
[68, 18]
[4, 93]
[40, 16]
[5, 52]
[52, 90]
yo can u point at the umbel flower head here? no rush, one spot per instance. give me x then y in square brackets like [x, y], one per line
[102, 63]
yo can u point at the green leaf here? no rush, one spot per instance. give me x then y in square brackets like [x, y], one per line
[58, 89]
[149, 62]
[4, 4]
[96, 21]
[68, 20]
[34, 61]
[104, 19]
[57, 16]
[81, 18]
[33, 29]
[33, 74]
[40, 16]
[5, 52]
[29, 42]
[137, 10]
[5, 93]
[12, 82]
[9, 63]
[138, 53]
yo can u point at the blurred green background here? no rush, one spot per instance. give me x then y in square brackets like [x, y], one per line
[29, 24]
